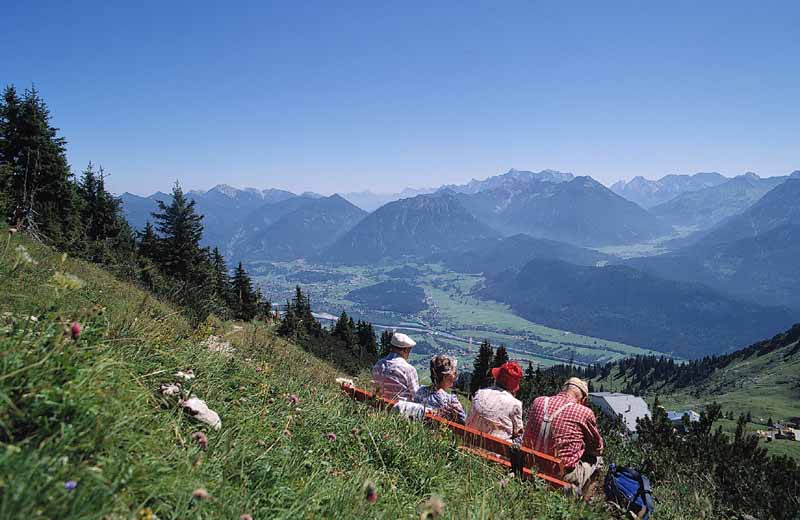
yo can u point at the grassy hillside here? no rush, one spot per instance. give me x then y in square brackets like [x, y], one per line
[85, 433]
[762, 379]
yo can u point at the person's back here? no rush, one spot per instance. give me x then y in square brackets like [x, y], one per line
[436, 397]
[561, 425]
[495, 410]
[393, 376]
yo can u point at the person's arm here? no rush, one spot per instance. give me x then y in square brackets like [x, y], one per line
[457, 410]
[516, 423]
[413, 385]
[591, 435]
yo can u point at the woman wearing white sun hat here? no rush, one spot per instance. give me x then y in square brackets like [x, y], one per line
[393, 376]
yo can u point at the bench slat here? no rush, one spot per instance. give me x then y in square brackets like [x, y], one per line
[484, 445]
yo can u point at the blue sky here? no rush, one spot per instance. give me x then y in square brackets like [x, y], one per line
[347, 96]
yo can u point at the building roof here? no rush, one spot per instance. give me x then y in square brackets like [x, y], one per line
[678, 415]
[628, 406]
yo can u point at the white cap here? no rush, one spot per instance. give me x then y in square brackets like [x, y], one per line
[400, 340]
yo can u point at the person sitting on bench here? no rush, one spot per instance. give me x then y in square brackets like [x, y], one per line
[495, 410]
[435, 397]
[393, 376]
[563, 426]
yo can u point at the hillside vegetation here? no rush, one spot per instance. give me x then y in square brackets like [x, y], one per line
[85, 433]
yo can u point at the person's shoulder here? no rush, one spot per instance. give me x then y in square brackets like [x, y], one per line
[585, 410]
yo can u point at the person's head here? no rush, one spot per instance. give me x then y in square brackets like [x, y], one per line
[402, 345]
[443, 371]
[577, 388]
[507, 376]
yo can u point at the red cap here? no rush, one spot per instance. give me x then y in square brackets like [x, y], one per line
[508, 375]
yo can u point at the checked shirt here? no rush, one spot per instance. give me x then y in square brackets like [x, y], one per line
[573, 432]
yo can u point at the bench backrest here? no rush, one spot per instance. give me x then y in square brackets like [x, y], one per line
[548, 467]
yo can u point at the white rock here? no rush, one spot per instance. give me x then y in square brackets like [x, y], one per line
[200, 411]
[171, 389]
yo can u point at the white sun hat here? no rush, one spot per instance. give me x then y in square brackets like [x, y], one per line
[400, 340]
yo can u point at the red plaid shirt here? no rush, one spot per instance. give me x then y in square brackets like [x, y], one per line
[572, 433]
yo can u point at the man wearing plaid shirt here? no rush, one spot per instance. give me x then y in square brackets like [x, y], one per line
[563, 426]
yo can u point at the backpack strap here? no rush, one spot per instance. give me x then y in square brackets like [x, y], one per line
[547, 421]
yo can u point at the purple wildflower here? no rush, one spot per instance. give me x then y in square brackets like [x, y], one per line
[294, 400]
[70, 485]
[330, 436]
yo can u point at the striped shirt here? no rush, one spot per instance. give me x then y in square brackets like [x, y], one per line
[395, 378]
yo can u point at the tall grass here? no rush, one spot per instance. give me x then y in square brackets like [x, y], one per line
[85, 433]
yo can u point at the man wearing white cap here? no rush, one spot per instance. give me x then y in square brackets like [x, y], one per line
[393, 375]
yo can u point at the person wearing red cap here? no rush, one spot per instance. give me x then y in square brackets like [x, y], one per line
[495, 410]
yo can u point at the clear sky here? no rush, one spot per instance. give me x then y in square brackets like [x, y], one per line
[346, 96]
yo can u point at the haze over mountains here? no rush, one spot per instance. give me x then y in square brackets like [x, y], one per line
[533, 237]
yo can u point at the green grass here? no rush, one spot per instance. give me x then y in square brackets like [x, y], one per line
[88, 410]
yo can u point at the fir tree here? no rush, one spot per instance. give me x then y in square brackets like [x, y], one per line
[148, 242]
[222, 282]
[480, 368]
[43, 195]
[500, 356]
[245, 305]
[386, 343]
[180, 229]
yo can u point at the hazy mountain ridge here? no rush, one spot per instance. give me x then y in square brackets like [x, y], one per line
[624, 304]
[580, 211]
[707, 207]
[648, 193]
[419, 226]
[753, 255]
[300, 232]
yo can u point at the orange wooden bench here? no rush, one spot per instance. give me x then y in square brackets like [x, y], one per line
[491, 448]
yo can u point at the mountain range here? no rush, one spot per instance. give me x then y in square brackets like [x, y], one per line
[648, 193]
[417, 227]
[754, 255]
[704, 208]
[580, 211]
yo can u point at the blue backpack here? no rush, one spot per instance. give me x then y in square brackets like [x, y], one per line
[630, 490]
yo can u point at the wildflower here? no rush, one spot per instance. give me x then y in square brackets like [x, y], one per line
[259, 369]
[23, 257]
[431, 508]
[70, 485]
[245, 517]
[287, 433]
[504, 482]
[75, 330]
[330, 436]
[200, 494]
[294, 400]
[201, 439]
[356, 431]
[146, 514]
[66, 281]
[186, 375]
[370, 491]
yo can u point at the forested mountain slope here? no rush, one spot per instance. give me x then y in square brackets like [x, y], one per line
[763, 378]
[623, 304]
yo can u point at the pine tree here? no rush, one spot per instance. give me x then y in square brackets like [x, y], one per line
[222, 282]
[344, 331]
[180, 229]
[148, 242]
[481, 377]
[500, 356]
[245, 305]
[43, 195]
[386, 343]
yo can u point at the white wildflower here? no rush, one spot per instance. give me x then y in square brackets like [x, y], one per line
[23, 256]
[66, 281]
